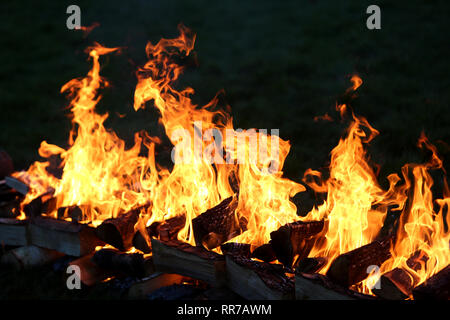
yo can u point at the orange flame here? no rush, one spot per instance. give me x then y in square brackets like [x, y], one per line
[422, 229]
[105, 179]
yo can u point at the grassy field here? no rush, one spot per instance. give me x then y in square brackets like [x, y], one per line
[281, 63]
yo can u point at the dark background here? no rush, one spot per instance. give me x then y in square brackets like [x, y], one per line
[281, 63]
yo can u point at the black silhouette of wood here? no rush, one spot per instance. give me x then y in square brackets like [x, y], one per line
[165, 230]
[294, 240]
[435, 288]
[91, 273]
[352, 267]
[129, 264]
[311, 265]
[264, 253]
[43, 203]
[74, 212]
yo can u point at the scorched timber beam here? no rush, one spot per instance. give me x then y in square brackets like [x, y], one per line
[68, 237]
[178, 257]
[256, 280]
[352, 267]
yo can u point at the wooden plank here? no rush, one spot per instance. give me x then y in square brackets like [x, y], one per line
[294, 240]
[71, 238]
[196, 262]
[351, 267]
[13, 232]
[256, 280]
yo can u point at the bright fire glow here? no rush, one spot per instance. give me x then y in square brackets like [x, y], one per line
[105, 179]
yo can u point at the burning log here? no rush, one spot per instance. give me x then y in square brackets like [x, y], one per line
[166, 230]
[28, 257]
[154, 282]
[196, 262]
[17, 185]
[218, 224]
[119, 231]
[130, 264]
[294, 239]
[43, 203]
[311, 265]
[74, 212]
[264, 253]
[436, 288]
[398, 283]
[71, 238]
[90, 273]
[256, 280]
[314, 286]
[351, 267]
[13, 232]
[236, 249]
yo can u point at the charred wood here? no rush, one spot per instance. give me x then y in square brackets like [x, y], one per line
[311, 265]
[178, 257]
[236, 249]
[435, 288]
[166, 230]
[294, 240]
[264, 253]
[398, 283]
[129, 264]
[258, 280]
[119, 231]
[352, 267]
[218, 224]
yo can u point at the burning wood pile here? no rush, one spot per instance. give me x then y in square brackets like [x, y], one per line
[222, 216]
